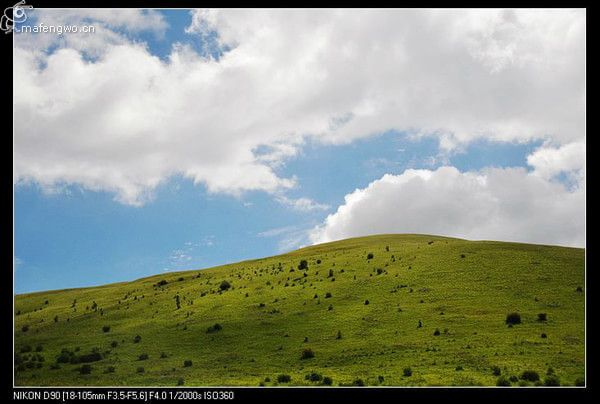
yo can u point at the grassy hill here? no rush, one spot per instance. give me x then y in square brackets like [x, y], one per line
[359, 317]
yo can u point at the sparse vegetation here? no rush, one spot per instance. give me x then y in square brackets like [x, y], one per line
[266, 339]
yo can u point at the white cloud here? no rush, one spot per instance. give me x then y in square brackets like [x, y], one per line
[126, 121]
[301, 204]
[495, 204]
[548, 161]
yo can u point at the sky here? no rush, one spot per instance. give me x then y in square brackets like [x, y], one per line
[180, 139]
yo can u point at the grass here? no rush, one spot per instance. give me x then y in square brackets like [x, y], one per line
[462, 287]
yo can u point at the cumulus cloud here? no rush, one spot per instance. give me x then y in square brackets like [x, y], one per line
[495, 204]
[124, 120]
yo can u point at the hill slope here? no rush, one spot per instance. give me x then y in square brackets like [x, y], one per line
[273, 311]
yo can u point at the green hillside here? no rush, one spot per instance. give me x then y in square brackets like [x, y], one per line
[359, 317]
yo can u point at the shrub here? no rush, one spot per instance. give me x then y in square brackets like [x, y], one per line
[370, 256]
[339, 335]
[114, 344]
[140, 369]
[162, 283]
[25, 328]
[214, 328]
[327, 381]
[366, 302]
[284, 378]
[407, 372]
[552, 380]
[379, 271]
[542, 317]
[502, 382]
[110, 369]
[327, 295]
[496, 371]
[106, 328]
[143, 357]
[307, 354]
[579, 289]
[224, 285]
[544, 335]
[358, 382]
[314, 377]
[459, 368]
[330, 307]
[436, 332]
[579, 382]
[380, 379]
[330, 273]
[163, 355]
[513, 318]
[91, 357]
[180, 381]
[187, 363]
[513, 379]
[85, 369]
[530, 376]
[304, 264]
[137, 339]
[318, 261]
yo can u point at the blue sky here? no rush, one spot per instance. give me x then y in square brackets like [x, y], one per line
[103, 196]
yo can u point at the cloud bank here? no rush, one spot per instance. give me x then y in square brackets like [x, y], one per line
[104, 113]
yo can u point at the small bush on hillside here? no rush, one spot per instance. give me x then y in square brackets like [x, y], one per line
[163, 355]
[327, 381]
[39, 348]
[303, 265]
[552, 380]
[436, 332]
[542, 317]
[25, 348]
[106, 328]
[543, 335]
[459, 368]
[513, 318]
[110, 369]
[307, 354]
[579, 382]
[366, 302]
[370, 256]
[327, 295]
[140, 369]
[114, 344]
[339, 335]
[530, 376]
[180, 381]
[224, 285]
[407, 372]
[137, 339]
[25, 328]
[496, 371]
[513, 379]
[314, 377]
[284, 378]
[143, 357]
[187, 363]
[214, 328]
[85, 369]
[330, 275]
[358, 382]
[502, 382]
[162, 282]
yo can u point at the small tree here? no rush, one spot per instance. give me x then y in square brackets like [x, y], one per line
[303, 265]
[224, 285]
